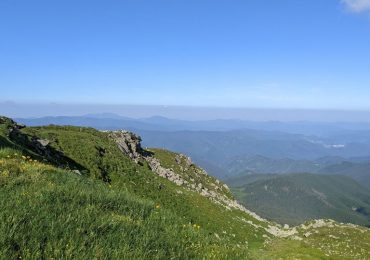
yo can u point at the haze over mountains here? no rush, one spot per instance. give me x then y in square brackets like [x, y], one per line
[232, 147]
[112, 120]
[17, 109]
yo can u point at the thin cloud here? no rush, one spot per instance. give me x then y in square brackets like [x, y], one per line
[357, 6]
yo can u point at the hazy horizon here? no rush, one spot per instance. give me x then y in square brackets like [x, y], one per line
[192, 113]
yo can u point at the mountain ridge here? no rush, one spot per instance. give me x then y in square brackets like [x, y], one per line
[191, 225]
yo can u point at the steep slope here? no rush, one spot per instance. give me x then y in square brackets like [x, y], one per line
[295, 198]
[71, 192]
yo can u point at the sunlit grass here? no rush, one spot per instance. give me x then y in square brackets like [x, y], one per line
[48, 212]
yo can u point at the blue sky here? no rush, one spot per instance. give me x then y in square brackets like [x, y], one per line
[228, 53]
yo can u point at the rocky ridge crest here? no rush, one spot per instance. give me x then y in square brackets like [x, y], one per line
[130, 144]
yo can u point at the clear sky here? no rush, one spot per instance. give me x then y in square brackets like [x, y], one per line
[228, 53]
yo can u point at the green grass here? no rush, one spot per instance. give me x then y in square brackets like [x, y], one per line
[117, 209]
[81, 145]
[63, 215]
[216, 223]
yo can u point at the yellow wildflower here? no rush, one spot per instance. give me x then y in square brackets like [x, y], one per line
[157, 206]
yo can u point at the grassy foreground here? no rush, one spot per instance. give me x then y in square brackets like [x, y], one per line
[48, 212]
[113, 208]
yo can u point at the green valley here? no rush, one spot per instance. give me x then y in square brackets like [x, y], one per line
[296, 198]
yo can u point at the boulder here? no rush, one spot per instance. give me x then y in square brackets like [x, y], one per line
[129, 143]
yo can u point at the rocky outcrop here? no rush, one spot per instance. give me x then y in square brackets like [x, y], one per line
[129, 143]
[169, 174]
[38, 146]
[10, 124]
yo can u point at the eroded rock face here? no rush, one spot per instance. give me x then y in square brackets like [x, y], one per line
[129, 143]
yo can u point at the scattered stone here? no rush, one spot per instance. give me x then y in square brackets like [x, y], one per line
[43, 142]
[77, 172]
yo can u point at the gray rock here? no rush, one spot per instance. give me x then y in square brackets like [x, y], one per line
[43, 142]
[178, 159]
[77, 172]
[129, 143]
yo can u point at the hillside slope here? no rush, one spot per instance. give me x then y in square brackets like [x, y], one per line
[358, 171]
[358, 168]
[71, 192]
[296, 198]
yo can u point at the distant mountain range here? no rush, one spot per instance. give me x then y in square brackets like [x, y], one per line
[111, 120]
[295, 198]
[228, 148]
